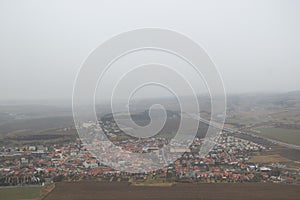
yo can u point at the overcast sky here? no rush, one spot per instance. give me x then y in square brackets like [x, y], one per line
[254, 44]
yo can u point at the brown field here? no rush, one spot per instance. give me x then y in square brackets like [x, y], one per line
[268, 159]
[102, 190]
[283, 152]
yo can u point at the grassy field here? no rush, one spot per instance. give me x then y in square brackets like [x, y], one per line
[19, 193]
[286, 135]
[25, 193]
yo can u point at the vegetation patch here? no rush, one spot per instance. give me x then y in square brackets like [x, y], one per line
[291, 136]
[20, 193]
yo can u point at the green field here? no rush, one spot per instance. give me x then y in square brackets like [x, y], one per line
[286, 135]
[19, 193]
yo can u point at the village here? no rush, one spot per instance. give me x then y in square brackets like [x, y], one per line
[228, 161]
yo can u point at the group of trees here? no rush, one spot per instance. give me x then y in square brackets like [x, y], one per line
[20, 180]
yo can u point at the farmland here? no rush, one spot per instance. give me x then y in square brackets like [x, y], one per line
[29, 193]
[102, 190]
[25, 193]
[291, 136]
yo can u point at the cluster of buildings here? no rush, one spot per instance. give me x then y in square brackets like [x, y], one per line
[228, 161]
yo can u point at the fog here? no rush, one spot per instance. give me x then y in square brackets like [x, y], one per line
[254, 44]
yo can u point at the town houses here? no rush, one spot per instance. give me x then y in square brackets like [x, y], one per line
[228, 161]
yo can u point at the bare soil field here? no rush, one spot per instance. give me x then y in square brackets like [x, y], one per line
[283, 152]
[268, 159]
[102, 190]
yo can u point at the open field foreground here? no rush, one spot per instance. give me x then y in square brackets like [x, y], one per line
[19, 193]
[102, 190]
[25, 193]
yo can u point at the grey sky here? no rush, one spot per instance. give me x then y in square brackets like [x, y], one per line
[255, 44]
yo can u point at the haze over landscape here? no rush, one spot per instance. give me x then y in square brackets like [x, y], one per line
[149, 99]
[254, 44]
